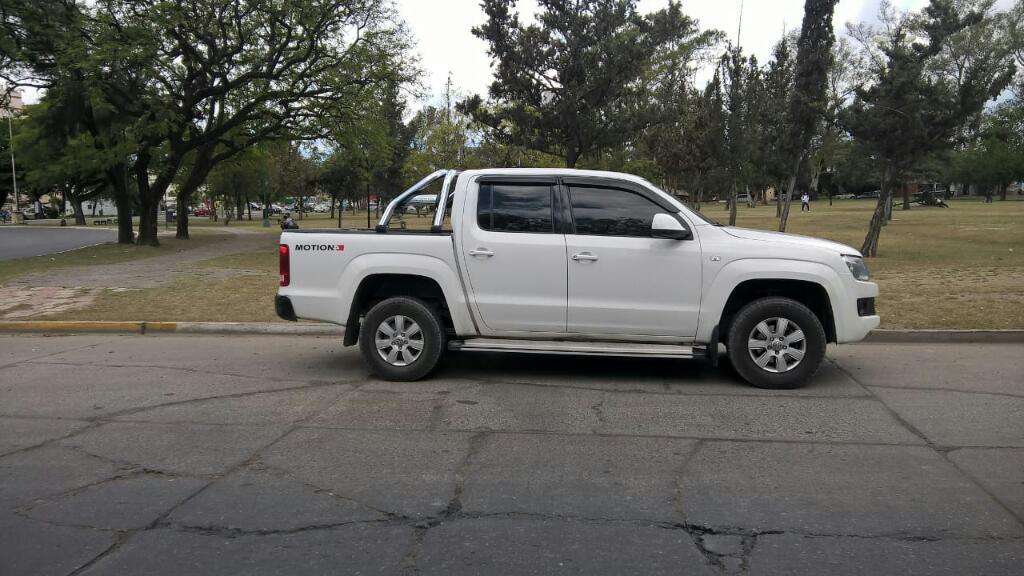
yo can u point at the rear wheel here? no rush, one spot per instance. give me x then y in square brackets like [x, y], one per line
[401, 338]
[776, 343]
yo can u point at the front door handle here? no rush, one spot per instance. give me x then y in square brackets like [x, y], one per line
[481, 252]
[584, 257]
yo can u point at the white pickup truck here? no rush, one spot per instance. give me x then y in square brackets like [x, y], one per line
[562, 261]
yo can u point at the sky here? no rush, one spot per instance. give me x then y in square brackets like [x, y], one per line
[445, 43]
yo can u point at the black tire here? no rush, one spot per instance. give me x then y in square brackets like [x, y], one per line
[433, 338]
[765, 310]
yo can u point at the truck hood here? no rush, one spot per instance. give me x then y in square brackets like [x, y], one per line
[792, 239]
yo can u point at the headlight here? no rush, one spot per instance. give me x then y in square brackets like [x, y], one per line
[857, 267]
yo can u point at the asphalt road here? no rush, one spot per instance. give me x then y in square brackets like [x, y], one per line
[278, 455]
[26, 241]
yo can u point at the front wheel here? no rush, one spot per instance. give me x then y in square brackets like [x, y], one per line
[401, 338]
[776, 343]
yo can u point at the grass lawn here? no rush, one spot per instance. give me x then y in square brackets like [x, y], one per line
[957, 267]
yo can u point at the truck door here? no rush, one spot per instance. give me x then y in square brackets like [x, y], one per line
[514, 254]
[622, 280]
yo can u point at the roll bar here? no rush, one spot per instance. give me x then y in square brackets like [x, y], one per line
[442, 200]
[449, 176]
[385, 218]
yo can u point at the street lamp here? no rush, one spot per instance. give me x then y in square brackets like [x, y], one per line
[8, 110]
[14, 173]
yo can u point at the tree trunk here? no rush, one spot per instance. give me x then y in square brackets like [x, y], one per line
[117, 175]
[248, 206]
[148, 202]
[778, 202]
[76, 206]
[732, 205]
[784, 216]
[1002, 191]
[200, 169]
[906, 197]
[368, 206]
[572, 155]
[870, 247]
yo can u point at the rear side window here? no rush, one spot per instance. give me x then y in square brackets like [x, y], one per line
[515, 208]
[600, 211]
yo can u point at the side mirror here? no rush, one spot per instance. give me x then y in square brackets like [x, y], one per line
[666, 226]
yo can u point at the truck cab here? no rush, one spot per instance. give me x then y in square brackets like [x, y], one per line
[564, 261]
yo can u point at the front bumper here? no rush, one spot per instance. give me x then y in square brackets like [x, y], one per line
[858, 316]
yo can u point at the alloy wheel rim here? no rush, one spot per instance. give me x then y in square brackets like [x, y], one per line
[777, 345]
[399, 340]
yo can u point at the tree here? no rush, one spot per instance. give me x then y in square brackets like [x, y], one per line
[51, 44]
[569, 84]
[996, 157]
[770, 109]
[57, 155]
[198, 82]
[912, 109]
[252, 70]
[807, 103]
[737, 73]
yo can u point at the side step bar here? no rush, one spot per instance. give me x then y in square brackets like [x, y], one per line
[644, 350]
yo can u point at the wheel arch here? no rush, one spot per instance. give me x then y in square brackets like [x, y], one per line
[373, 277]
[809, 283]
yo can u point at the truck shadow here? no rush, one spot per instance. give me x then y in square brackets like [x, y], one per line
[607, 370]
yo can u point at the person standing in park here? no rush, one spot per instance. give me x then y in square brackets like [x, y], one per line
[805, 202]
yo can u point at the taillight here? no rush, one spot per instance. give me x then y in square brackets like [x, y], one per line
[284, 265]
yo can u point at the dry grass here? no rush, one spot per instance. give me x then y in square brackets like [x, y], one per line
[959, 267]
[98, 255]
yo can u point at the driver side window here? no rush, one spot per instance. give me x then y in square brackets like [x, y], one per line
[601, 211]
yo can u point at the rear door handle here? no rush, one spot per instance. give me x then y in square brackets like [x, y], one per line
[584, 257]
[481, 252]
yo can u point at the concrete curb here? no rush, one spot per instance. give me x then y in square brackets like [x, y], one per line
[247, 328]
[273, 328]
[320, 329]
[939, 336]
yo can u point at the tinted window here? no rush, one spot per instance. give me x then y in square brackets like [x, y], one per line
[611, 212]
[515, 208]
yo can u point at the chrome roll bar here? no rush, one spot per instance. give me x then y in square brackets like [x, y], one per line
[442, 200]
[385, 218]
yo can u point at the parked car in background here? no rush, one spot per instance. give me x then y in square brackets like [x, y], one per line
[844, 196]
[562, 261]
[39, 212]
[872, 194]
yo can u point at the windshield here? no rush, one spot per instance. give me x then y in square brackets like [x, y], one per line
[706, 218]
[697, 214]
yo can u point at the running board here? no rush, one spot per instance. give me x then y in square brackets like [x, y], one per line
[644, 350]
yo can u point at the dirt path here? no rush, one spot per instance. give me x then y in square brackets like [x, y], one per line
[77, 287]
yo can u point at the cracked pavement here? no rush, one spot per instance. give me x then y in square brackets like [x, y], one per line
[186, 454]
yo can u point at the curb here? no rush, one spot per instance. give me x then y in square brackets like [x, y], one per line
[947, 336]
[323, 329]
[104, 327]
